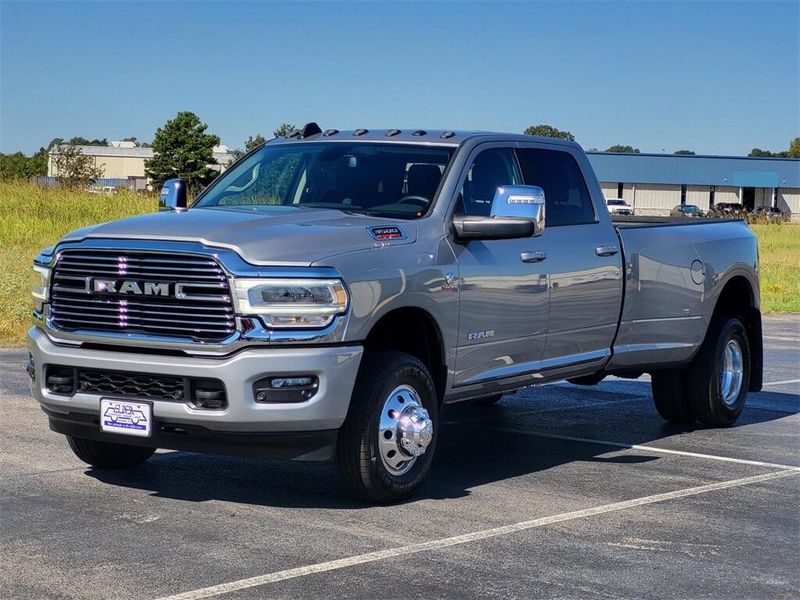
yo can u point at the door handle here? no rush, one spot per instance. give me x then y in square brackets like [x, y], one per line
[607, 250]
[532, 257]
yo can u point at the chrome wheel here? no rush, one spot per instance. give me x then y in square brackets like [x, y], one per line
[405, 430]
[732, 373]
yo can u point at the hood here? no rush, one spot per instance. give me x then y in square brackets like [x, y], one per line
[289, 237]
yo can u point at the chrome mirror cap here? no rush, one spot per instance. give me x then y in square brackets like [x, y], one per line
[520, 201]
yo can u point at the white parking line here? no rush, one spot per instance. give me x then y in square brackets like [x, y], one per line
[784, 382]
[657, 450]
[251, 582]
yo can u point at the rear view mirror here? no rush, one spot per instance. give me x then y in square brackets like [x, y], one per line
[173, 195]
[520, 201]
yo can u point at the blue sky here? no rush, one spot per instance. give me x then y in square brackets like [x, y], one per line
[714, 77]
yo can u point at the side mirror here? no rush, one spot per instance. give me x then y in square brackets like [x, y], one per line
[517, 212]
[520, 201]
[173, 195]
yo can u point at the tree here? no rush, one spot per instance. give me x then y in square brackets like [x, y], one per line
[132, 139]
[251, 143]
[183, 149]
[18, 166]
[74, 168]
[254, 142]
[284, 130]
[549, 131]
[685, 152]
[794, 148]
[76, 141]
[623, 149]
[759, 153]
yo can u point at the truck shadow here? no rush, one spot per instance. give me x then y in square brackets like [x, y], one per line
[477, 445]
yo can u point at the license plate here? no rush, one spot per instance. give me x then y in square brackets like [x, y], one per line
[126, 417]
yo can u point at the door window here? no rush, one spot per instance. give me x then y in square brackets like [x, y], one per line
[567, 199]
[491, 169]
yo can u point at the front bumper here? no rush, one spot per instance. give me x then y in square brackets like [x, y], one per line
[336, 368]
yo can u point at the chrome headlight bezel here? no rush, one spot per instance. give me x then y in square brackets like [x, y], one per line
[333, 300]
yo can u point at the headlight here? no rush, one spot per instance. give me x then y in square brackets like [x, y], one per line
[291, 302]
[40, 283]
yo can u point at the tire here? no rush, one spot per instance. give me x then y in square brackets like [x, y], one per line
[487, 400]
[107, 455]
[363, 463]
[725, 345]
[671, 397]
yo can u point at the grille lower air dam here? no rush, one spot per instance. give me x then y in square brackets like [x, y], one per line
[148, 293]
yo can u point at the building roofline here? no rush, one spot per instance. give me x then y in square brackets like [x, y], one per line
[689, 156]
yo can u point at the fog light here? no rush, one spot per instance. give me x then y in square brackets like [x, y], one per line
[285, 389]
[60, 380]
[207, 393]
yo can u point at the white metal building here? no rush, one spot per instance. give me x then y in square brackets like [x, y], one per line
[656, 183]
[124, 161]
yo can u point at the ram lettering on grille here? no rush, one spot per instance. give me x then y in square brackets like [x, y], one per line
[149, 293]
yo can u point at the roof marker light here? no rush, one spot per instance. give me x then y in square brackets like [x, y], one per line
[392, 132]
[330, 132]
[446, 134]
[360, 131]
[419, 132]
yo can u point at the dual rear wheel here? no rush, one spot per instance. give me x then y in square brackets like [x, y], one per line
[713, 388]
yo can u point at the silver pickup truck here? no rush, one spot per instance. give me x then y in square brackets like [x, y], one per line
[331, 291]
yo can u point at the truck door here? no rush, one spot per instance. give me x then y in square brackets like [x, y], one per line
[583, 258]
[503, 287]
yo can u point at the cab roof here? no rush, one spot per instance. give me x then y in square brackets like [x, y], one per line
[449, 137]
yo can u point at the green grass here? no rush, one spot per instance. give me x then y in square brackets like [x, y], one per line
[779, 247]
[32, 218]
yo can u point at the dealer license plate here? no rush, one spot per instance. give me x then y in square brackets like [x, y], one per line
[126, 417]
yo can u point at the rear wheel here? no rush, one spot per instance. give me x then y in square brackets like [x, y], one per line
[713, 389]
[386, 445]
[719, 376]
[107, 455]
[671, 397]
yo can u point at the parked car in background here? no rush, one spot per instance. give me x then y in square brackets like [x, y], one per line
[687, 210]
[618, 206]
[729, 210]
[770, 213]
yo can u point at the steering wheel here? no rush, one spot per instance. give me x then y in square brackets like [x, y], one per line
[413, 199]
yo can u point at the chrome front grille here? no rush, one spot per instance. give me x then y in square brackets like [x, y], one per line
[150, 293]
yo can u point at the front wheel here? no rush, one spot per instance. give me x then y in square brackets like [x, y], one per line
[107, 455]
[386, 445]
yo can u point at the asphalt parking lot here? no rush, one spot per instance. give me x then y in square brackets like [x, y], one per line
[560, 491]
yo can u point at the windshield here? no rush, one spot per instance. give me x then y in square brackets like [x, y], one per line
[616, 202]
[394, 180]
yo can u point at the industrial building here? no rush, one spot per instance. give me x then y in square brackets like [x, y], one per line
[655, 183]
[122, 163]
